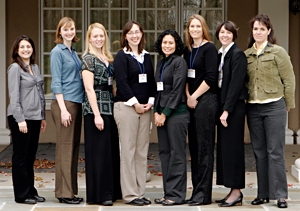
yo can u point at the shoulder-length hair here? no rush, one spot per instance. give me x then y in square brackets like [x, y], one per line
[229, 26]
[15, 48]
[68, 22]
[105, 50]
[177, 38]
[126, 29]
[188, 39]
[265, 20]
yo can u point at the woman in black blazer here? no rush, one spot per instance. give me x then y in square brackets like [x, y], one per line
[171, 116]
[232, 109]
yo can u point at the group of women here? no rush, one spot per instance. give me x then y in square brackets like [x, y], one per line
[190, 94]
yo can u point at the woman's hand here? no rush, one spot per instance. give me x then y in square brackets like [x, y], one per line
[147, 107]
[43, 125]
[223, 118]
[139, 108]
[159, 119]
[99, 122]
[23, 127]
[288, 109]
[192, 102]
[66, 118]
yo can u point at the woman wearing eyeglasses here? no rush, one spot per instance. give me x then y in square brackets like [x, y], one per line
[133, 101]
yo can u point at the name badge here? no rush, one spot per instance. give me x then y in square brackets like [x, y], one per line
[110, 80]
[160, 86]
[142, 78]
[191, 73]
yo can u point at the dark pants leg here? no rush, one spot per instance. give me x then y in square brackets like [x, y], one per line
[267, 124]
[172, 143]
[24, 151]
[205, 123]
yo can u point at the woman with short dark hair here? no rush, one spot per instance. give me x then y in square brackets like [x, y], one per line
[232, 94]
[171, 116]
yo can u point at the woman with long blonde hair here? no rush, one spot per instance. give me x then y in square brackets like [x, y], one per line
[100, 130]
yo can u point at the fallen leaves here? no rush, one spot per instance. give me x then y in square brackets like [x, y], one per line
[43, 164]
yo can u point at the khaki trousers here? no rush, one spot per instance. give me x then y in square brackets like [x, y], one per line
[67, 149]
[134, 135]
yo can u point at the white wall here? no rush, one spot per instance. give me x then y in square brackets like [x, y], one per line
[278, 12]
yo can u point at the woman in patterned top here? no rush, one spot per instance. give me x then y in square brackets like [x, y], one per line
[100, 130]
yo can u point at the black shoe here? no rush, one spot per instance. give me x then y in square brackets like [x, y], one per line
[107, 203]
[169, 203]
[194, 203]
[136, 202]
[39, 198]
[77, 199]
[238, 201]
[258, 201]
[68, 200]
[159, 201]
[28, 201]
[281, 203]
[146, 201]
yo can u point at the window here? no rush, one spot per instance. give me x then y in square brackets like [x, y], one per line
[154, 15]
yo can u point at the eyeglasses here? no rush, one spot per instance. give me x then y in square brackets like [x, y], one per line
[131, 33]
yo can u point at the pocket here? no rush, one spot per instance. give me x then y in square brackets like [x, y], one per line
[271, 90]
[267, 62]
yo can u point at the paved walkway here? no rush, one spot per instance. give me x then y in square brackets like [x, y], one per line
[45, 185]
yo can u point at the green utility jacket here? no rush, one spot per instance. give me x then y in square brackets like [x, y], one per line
[270, 74]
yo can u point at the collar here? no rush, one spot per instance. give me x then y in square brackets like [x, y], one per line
[63, 46]
[222, 50]
[139, 58]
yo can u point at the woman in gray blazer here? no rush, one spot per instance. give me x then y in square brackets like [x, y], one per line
[171, 116]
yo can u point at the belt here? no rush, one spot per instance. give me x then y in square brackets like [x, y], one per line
[103, 87]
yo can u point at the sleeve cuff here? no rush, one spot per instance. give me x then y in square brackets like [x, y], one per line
[131, 101]
[167, 111]
[151, 100]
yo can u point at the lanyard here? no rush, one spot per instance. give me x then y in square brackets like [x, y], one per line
[142, 67]
[109, 70]
[192, 60]
[162, 70]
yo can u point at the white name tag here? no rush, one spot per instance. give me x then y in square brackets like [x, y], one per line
[160, 86]
[110, 80]
[191, 73]
[142, 78]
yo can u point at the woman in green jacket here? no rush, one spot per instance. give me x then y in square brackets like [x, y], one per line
[271, 89]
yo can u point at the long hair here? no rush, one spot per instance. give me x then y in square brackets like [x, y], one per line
[265, 20]
[15, 55]
[177, 38]
[105, 50]
[188, 39]
[68, 22]
[229, 26]
[126, 29]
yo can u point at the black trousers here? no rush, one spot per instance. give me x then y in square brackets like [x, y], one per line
[102, 160]
[172, 143]
[24, 150]
[201, 136]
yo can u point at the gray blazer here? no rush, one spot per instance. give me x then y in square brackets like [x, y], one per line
[174, 79]
[26, 94]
